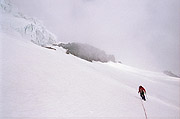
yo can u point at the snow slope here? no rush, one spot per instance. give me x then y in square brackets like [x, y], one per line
[37, 82]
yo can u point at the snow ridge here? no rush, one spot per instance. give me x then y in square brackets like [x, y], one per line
[28, 27]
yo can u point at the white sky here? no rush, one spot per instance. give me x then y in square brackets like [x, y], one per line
[140, 33]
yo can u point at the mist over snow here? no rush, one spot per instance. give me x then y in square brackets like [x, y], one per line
[39, 79]
[140, 33]
[87, 52]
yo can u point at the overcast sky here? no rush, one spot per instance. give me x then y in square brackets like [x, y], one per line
[140, 33]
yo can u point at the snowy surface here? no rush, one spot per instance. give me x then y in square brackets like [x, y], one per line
[40, 82]
[37, 82]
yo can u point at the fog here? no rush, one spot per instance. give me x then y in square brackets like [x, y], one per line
[140, 33]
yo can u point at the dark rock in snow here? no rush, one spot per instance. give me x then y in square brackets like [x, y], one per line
[86, 52]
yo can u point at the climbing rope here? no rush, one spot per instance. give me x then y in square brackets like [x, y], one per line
[144, 109]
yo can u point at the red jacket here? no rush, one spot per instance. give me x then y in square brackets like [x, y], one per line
[141, 89]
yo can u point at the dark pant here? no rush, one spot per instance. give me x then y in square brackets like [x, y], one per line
[142, 95]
